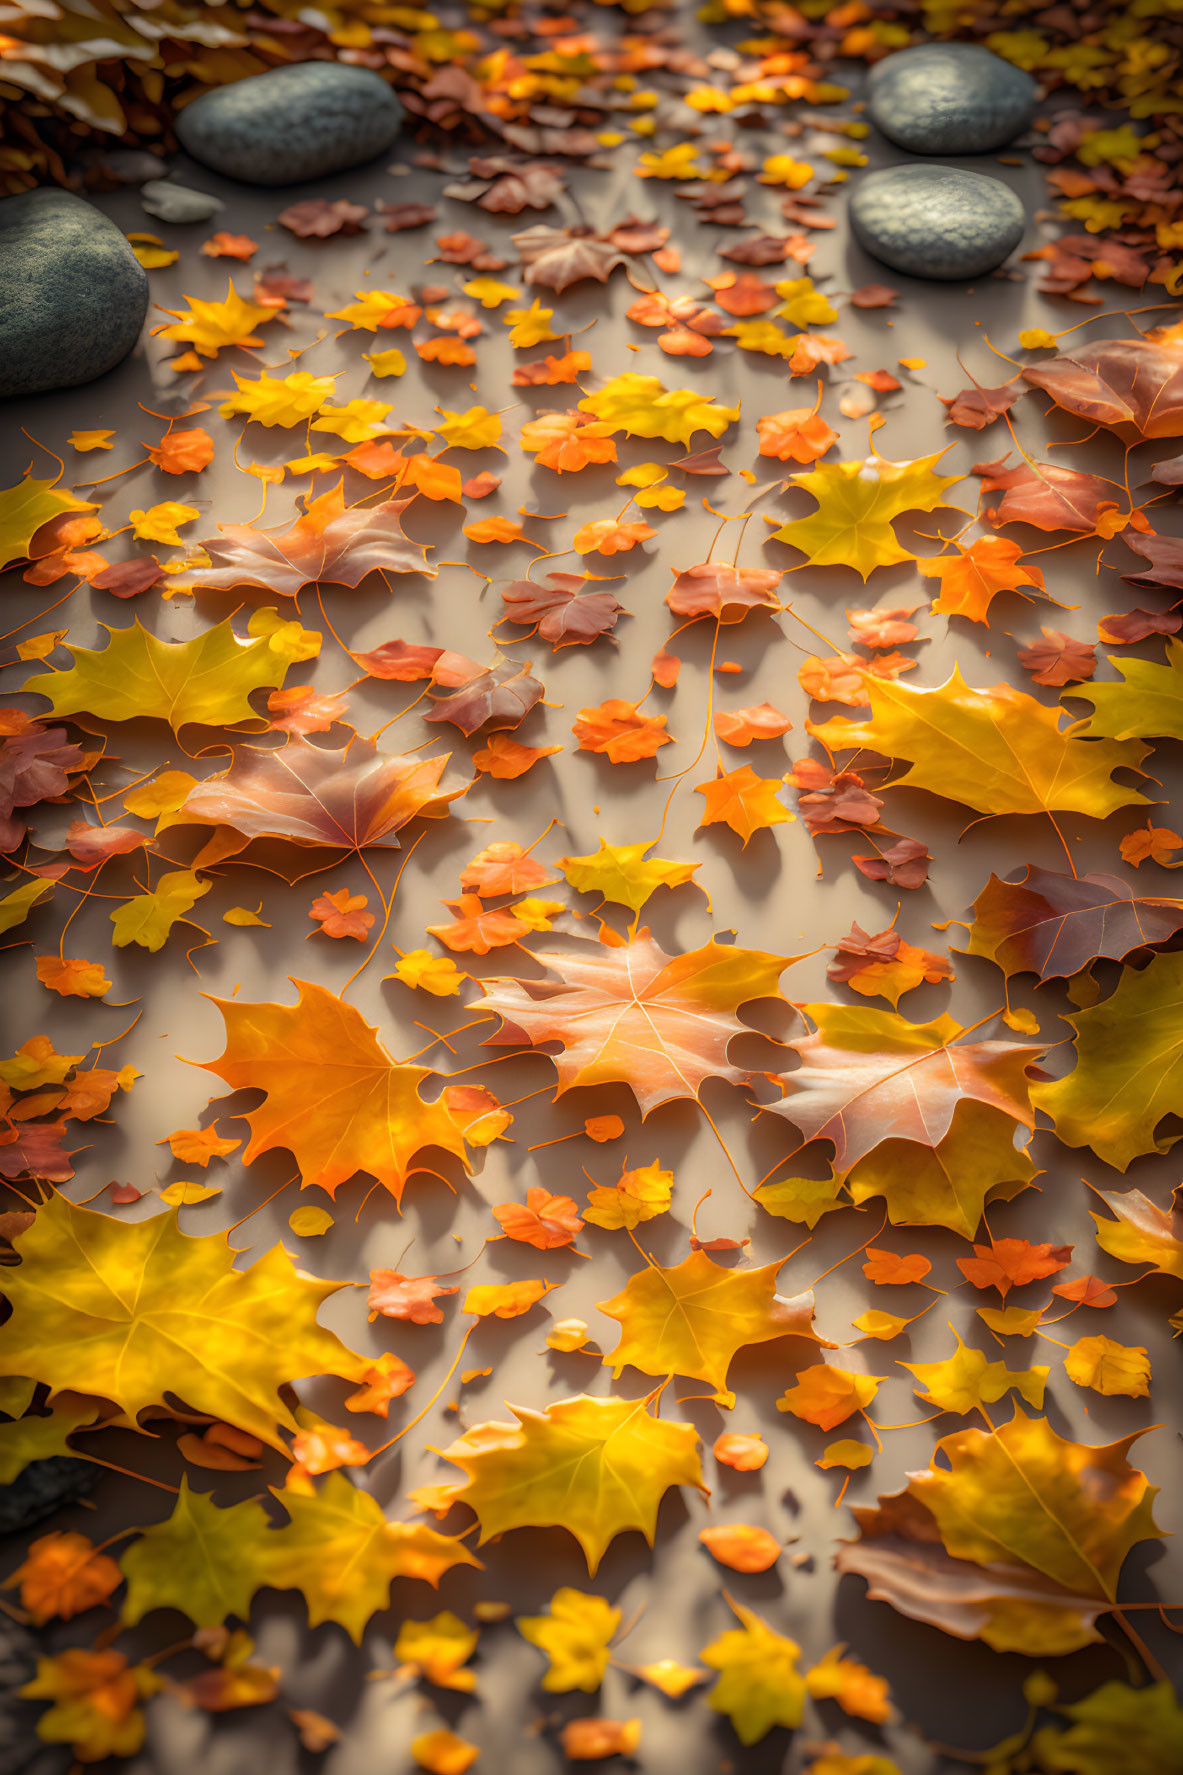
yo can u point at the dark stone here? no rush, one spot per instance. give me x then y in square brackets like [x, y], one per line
[21, 1751]
[292, 124]
[936, 221]
[73, 295]
[42, 1488]
[950, 98]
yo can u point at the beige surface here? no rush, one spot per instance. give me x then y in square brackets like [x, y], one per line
[772, 895]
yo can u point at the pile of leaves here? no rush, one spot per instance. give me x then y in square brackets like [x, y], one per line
[299, 725]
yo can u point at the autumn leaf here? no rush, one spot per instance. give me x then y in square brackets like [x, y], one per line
[332, 1095]
[741, 1546]
[337, 1548]
[208, 679]
[759, 1685]
[728, 593]
[211, 326]
[624, 873]
[596, 1467]
[25, 508]
[313, 795]
[95, 1698]
[1148, 701]
[575, 1635]
[1108, 1367]
[500, 697]
[1129, 1067]
[642, 407]
[972, 578]
[566, 611]
[617, 729]
[692, 1319]
[659, 1023]
[148, 919]
[1052, 498]
[1012, 1263]
[638, 1195]
[63, 1575]
[967, 1379]
[1118, 382]
[827, 1396]
[1034, 1527]
[546, 1221]
[1142, 1233]
[329, 541]
[998, 751]
[856, 1689]
[130, 1311]
[869, 1076]
[437, 1650]
[1054, 925]
[856, 503]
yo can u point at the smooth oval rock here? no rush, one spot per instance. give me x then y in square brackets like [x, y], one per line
[950, 98]
[292, 124]
[178, 203]
[73, 295]
[936, 221]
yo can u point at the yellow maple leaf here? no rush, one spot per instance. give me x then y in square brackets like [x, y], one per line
[436, 974]
[967, 1379]
[802, 305]
[759, 1684]
[278, 400]
[354, 422]
[207, 679]
[530, 326]
[642, 407]
[437, 1649]
[147, 919]
[209, 327]
[372, 309]
[624, 874]
[639, 1195]
[596, 1467]
[693, 1318]
[997, 750]
[23, 510]
[575, 1636]
[489, 292]
[337, 1548]
[856, 502]
[477, 429]
[131, 1311]
[160, 523]
[386, 363]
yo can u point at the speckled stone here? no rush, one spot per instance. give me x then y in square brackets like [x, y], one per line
[292, 124]
[73, 296]
[950, 98]
[936, 221]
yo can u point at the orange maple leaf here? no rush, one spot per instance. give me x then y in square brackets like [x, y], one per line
[972, 577]
[546, 1222]
[615, 728]
[332, 1095]
[744, 801]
